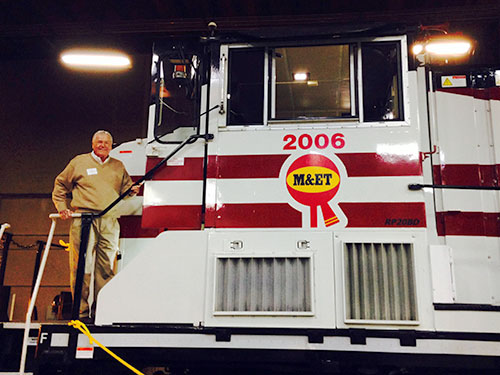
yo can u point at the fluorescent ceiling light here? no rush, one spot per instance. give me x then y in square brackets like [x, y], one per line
[93, 59]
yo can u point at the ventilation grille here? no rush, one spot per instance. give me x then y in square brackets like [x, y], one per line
[274, 285]
[380, 282]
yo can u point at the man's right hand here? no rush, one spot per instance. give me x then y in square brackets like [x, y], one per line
[66, 214]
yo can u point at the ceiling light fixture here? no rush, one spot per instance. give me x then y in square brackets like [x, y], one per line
[96, 60]
[301, 76]
[443, 46]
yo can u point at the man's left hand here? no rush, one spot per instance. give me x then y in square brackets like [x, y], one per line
[135, 189]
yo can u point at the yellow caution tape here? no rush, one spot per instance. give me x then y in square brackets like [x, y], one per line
[65, 244]
[83, 328]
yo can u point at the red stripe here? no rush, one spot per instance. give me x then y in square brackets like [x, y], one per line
[457, 223]
[176, 217]
[282, 215]
[85, 349]
[384, 215]
[192, 169]
[269, 166]
[250, 166]
[491, 93]
[466, 174]
[130, 227]
[126, 152]
[374, 165]
[221, 166]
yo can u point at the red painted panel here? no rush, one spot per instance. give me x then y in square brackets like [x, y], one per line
[466, 174]
[250, 166]
[130, 227]
[191, 170]
[491, 93]
[384, 215]
[258, 215]
[178, 217]
[269, 166]
[281, 215]
[459, 223]
[373, 165]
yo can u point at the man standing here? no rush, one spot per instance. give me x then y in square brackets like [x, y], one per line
[95, 180]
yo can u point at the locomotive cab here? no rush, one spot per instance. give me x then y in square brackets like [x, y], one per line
[287, 224]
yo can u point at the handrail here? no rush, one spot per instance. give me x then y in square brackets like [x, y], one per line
[2, 229]
[34, 295]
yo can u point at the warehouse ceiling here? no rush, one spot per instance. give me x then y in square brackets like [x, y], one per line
[31, 28]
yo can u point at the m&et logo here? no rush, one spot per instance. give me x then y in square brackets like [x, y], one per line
[313, 180]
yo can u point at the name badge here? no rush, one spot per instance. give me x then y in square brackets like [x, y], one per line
[91, 171]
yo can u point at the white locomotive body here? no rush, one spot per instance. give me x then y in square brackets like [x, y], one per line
[293, 230]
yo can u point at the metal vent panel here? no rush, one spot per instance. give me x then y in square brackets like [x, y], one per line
[263, 285]
[380, 282]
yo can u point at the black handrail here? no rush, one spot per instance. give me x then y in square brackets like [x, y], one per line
[88, 217]
[38, 258]
[461, 187]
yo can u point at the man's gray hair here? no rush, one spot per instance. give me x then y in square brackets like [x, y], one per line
[102, 132]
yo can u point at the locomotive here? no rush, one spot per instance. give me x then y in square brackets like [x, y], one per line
[327, 203]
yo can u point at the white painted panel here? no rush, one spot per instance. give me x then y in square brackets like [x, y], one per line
[495, 120]
[133, 155]
[129, 206]
[192, 150]
[457, 131]
[482, 125]
[154, 287]
[470, 200]
[468, 321]
[472, 267]
[494, 273]
[130, 248]
[157, 193]
[443, 287]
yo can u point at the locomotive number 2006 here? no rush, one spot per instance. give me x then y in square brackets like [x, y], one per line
[320, 141]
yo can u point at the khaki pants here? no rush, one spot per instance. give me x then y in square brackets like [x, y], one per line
[99, 261]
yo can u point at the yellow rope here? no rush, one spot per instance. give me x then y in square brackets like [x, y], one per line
[66, 245]
[83, 328]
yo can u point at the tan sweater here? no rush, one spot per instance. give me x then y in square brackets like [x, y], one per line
[93, 186]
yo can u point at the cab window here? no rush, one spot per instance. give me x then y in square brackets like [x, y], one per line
[283, 84]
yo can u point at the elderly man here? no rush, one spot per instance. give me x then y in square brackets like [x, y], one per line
[95, 180]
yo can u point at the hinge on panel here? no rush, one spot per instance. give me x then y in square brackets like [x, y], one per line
[236, 245]
[303, 245]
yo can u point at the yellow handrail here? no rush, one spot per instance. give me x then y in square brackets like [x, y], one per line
[83, 328]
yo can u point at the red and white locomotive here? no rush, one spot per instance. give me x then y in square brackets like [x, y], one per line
[288, 231]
